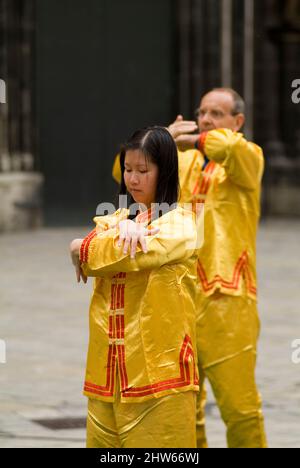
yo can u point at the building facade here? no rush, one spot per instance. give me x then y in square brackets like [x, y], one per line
[20, 181]
[81, 76]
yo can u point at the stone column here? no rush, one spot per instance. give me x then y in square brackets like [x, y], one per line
[268, 129]
[20, 186]
[249, 57]
[199, 50]
[4, 158]
[227, 43]
[184, 35]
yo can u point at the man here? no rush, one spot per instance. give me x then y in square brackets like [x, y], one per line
[222, 169]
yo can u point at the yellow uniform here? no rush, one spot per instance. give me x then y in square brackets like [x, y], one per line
[230, 188]
[142, 331]
[227, 319]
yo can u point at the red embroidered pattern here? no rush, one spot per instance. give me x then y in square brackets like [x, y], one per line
[117, 332]
[241, 268]
[206, 177]
[184, 380]
[201, 141]
[84, 250]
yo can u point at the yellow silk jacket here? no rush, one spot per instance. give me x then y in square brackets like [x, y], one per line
[142, 313]
[230, 188]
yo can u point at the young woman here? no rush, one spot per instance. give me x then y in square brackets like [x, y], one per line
[141, 377]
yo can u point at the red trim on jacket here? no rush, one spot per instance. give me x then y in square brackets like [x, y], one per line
[117, 332]
[241, 268]
[84, 250]
[201, 141]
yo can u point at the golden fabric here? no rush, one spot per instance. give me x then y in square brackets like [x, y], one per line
[227, 320]
[116, 172]
[230, 187]
[157, 423]
[227, 333]
[142, 313]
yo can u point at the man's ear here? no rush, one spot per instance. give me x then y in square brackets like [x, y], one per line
[239, 122]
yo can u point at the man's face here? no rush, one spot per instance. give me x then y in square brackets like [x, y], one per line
[216, 111]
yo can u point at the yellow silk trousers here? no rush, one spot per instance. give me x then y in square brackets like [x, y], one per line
[227, 332]
[167, 422]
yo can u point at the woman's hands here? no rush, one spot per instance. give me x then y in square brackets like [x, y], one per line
[132, 234]
[75, 252]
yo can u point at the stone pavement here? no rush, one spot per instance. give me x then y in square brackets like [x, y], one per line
[44, 324]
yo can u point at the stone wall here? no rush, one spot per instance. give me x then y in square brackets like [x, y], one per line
[20, 201]
[20, 186]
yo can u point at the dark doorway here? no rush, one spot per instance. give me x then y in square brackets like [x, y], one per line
[104, 68]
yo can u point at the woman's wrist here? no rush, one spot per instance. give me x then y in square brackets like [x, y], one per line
[75, 246]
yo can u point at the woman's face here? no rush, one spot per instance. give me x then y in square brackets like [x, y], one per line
[141, 176]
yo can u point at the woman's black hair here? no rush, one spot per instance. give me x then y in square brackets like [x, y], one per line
[159, 147]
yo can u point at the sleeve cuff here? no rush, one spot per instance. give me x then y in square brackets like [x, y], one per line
[201, 141]
[84, 250]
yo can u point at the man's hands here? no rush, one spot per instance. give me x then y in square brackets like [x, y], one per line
[75, 251]
[181, 131]
[132, 234]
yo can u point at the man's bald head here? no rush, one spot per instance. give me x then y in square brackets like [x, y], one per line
[221, 108]
[239, 106]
